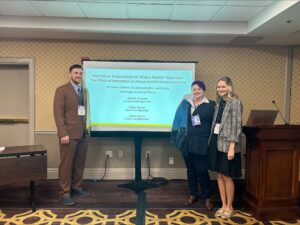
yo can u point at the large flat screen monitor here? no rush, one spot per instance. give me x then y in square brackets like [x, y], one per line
[135, 96]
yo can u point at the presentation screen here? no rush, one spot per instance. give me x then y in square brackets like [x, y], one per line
[135, 96]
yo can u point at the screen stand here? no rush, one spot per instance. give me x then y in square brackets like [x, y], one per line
[138, 185]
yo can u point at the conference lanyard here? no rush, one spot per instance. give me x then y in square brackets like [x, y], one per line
[195, 118]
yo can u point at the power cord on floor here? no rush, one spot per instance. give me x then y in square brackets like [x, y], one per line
[105, 167]
[161, 181]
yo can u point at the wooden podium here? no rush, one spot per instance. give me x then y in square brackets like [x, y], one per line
[272, 171]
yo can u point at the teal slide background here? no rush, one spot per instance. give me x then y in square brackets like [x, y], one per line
[135, 98]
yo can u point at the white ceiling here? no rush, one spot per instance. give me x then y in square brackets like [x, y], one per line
[260, 22]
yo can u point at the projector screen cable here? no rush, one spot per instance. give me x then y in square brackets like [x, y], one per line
[105, 167]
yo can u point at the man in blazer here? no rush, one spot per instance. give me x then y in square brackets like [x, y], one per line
[70, 118]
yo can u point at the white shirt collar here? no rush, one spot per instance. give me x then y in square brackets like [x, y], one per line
[204, 100]
[75, 86]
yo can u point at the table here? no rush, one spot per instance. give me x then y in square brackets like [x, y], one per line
[24, 164]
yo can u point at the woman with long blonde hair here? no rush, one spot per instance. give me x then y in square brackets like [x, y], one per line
[224, 153]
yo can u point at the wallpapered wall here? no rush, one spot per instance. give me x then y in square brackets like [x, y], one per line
[295, 102]
[258, 73]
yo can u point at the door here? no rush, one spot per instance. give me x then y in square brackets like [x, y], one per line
[16, 99]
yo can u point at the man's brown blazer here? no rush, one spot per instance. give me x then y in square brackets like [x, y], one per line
[65, 109]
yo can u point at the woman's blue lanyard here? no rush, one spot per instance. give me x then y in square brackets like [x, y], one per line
[194, 105]
[195, 118]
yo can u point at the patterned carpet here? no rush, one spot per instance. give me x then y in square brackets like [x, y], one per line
[125, 217]
[111, 205]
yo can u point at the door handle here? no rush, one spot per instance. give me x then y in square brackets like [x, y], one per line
[10, 121]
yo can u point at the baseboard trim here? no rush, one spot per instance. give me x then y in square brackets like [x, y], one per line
[124, 173]
[129, 173]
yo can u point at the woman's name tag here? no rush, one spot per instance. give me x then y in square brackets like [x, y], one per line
[217, 128]
[196, 120]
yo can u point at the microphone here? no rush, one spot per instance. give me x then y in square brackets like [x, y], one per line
[274, 103]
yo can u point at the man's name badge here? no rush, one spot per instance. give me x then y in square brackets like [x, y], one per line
[217, 128]
[81, 110]
[196, 120]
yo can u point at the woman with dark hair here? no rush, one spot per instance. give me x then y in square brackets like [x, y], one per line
[224, 152]
[190, 134]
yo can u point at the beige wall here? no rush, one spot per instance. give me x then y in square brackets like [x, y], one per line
[295, 102]
[258, 74]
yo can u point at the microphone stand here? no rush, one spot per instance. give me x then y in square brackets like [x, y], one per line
[285, 122]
